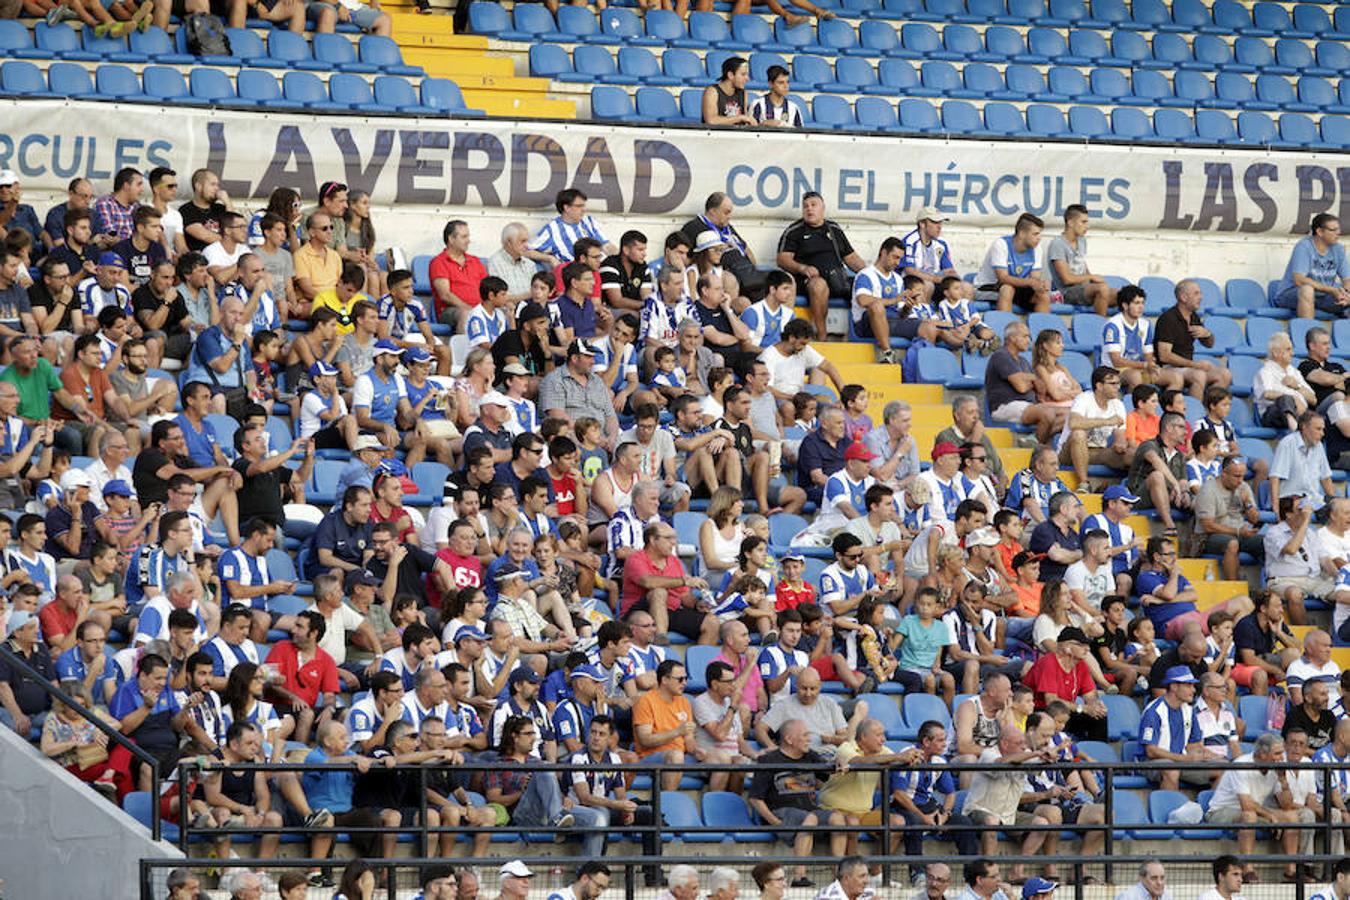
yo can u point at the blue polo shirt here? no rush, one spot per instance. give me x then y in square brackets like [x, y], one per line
[348, 542]
[201, 445]
[330, 788]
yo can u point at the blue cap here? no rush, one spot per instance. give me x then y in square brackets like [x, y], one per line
[321, 368]
[1179, 675]
[109, 258]
[416, 355]
[117, 488]
[1119, 492]
[468, 632]
[524, 673]
[387, 347]
[1036, 885]
[590, 672]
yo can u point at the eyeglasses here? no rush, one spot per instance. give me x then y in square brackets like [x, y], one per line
[322, 228]
[680, 678]
[853, 557]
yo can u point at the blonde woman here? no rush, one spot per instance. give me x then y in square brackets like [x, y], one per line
[474, 381]
[720, 535]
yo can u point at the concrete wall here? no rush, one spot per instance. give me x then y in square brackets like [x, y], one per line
[58, 838]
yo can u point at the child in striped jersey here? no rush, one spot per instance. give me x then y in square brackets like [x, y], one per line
[954, 310]
[1220, 651]
[748, 601]
[1206, 463]
[49, 489]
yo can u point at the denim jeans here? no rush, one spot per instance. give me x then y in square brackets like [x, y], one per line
[37, 720]
[592, 845]
[541, 802]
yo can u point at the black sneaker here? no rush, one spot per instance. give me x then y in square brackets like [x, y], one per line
[321, 880]
[319, 818]
[803, 882]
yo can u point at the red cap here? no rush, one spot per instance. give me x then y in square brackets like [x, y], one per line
[944, 448]
[858, 451]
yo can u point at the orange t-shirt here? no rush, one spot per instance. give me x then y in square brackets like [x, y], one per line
[1028, 600]
[652, 709]
[1140, 428]
[1007, 552]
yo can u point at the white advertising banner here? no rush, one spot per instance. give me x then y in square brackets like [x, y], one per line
[520, 165]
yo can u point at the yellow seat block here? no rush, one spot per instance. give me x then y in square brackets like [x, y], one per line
[1212, 593]
[1015, 459]
[1140, 526]
[841, 352]
[1199, 570]
[1341, 656]
[1092, 503]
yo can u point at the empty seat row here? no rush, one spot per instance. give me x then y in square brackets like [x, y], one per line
[283, 49]
[252, 88]
[973, 81]
[1000, 119]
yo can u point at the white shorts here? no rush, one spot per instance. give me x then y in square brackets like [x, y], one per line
[1011, 412]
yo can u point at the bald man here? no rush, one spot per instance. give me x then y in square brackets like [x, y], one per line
[821, 714]
[61, 618]
[1315, 664]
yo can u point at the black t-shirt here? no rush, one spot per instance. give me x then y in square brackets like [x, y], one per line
[195, 215]
[1319, 730]
[382, 788]
[411, 572]
[1113, 641]
[140, 263]
[1309, 366]
[40, 299]
[741, 437]
[1157, 674]
[511, 344]
[781, 783]
[261, 494]
[613, 274]
[1171, 328]
[150, 488]
[1249, 635]
[75, 261]
[997, 388]
[823, 246]
[717, 318]
[28, 694]
[145, 302]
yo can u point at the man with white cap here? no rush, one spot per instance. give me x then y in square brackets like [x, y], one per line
[515, 884]
[23, 702]
[323, 412]
[360, 472]
[494, 411]
[571, 391]
[70, 524]
[13, 213]
[380, 403]
[927, 256]
[1169, 730]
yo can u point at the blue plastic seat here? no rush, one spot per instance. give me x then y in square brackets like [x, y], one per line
[16, 42]
[709, 29]
[1233, 90]
[625, 26]
[728, 811]
[551, 61]
[1271, 17]
[657, 105]
[682, 66]
[597, 64]
[1211, 52]
[23, 79]
[937, 365]
[581, 23]
[1068, 83]
[167, 85]
[61, 41]
[1046, 121]
[1215, 126]
[837, 35]
[155, 43]
[1025, 82]
[306, 88]
[981, 80]
[918, 115]
[1231, 17]
[760, 63]
[898, 74]
[691, 104]
[1335, 131]
[1131, 47]
[1311, 18]
[1048, 44]
[1004, 119]
[1197, 89]
[878, 37]
[291, 49]
[1293, 56]
[663, 25]
[1148, 15]
[1089, 45]
[531, 22]
[1004, 43]
[1127, 122]
[488, 18]
[875, 114]
[1174, 125]
[678, 811]
[260, 86]
[939, 10]
[1110, 12]
[1088, 122]
[353, 92]
[213, 86]
[444, 96]
[886, 710]
[752, 30]
[919, 709]
[1333, 59]
[113, 49]
[1112, 86]
[1190, 15]
[811, 72]
[1070, 11]
[67, 79]
[611, 104]
[831, 111]
[398, 93]
[338, 53]
[1252, 54]
[854, 75]
[246, 48]
[962, 41]
[1021, 11]
[1277, 93]
[1170, 51]
[960, 117]
[939, 79]
[920, 39]
[382, 53]
[1122, 716]
[1256, 128]
[800, 37]
[641, 65]
[1152, 88]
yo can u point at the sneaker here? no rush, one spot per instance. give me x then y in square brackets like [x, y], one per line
[888, 357]
[319, 818]
[564, 820]
[320, 880]
[803, 882]
[58, 14]
[106, 783]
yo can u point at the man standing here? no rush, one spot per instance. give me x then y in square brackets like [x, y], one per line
[1068, 265]
[815, 251]
[1174, 339]
[1011, 273]
[1317, 276]
[1301, 466]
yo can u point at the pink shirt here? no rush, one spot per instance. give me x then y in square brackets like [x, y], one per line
[753, 685]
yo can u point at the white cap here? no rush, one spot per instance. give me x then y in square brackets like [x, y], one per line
[366, 442]
[75, 478]
[517, 868]
[497, 398]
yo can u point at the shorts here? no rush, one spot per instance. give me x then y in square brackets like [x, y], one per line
[363, 18]
[1288, 299]
[1320, 586]
[792, 819]
[1217, 544]
[1077, 295]
[329, 438]
[904, 328]
[824, 666]
[1242, 674]
[1023, 297]
[840, 284]
[1011, 412]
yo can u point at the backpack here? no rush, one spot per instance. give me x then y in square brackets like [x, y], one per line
[206, 35]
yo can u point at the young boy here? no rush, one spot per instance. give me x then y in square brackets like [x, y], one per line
[954, 309]
[793, 591]
[856, 420]
[1008, 524]
[594, 458]
[669, 379]
[922, 639]
[1110, 649]
[267, 347]
[1142, 422]
[49, 488]
[1220, 652]
[748, 601]
[1206, 463]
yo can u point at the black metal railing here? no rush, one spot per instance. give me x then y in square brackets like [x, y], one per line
[115, 736]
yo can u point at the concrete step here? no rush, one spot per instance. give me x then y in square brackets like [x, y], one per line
[460, 65]
[497, 102]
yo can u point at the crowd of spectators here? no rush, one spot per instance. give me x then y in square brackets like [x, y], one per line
[527, 616]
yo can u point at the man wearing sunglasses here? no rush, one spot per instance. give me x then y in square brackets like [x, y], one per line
[317, 264]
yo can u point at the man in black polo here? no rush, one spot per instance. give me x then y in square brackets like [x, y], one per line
[625, 280]
[342, 538]
[816, 250]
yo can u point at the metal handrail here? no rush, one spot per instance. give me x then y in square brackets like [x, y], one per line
[14, 659]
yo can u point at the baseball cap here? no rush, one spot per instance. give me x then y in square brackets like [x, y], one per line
[793, 555]
[109, 258]
[321, 368]
[469, 633]
[8, 177]
[1179, 675]
[17, 620]
[1026, 556]
[531, 311]
[524, 673]
[361, 576]
[75, 478]
[1036, 885]
[579, 347]
[590, 672]
[932, 214]
[859, 451]
[416, 355]
[517, 868]
[496, 398]
[366, 442]
[1119, 492]
[1072, 634]
[942, 448]
[507, 572]
[514, 369]
[384, 348]
[117, 488]
[708, 240]
[982, 537]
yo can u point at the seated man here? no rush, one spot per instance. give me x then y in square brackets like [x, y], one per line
[1280, 391]
[654, 580]
[1010, 387]
[1317, 276]
[1058, 796]
[882, 303]
[1225, 510]
[1175, 334]
[994, 796]
[1296, 567]
[1030, 490]
[1265, 645]
[1010, 273]
[1095, 431]
[853, 792]
[1158, 473]
[663, 723]
[380, 404]
[1253, 796]
[1169, 729]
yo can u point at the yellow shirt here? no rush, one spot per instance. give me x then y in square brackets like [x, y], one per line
[850, 792]
[329, 298]
[324, 273]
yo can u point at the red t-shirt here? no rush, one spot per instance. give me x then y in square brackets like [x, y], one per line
[319, 675]
[91, 392]
[466, 571]
[559, 288]
[640, 565]
[55, 620]
[789, 598]
[1047, 676]
[565, 493]
[463, 279]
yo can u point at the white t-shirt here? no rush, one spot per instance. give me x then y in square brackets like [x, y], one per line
[1250, 783]
[788, 373]
[216, 257]
[1270, 378]
[311, 407]
[334, 641]
[1213, 894]
[1085, 404]
[172, 222]
[1335, 546]
[1094, 583]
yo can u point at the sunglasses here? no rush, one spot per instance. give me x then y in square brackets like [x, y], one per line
[322, 228]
